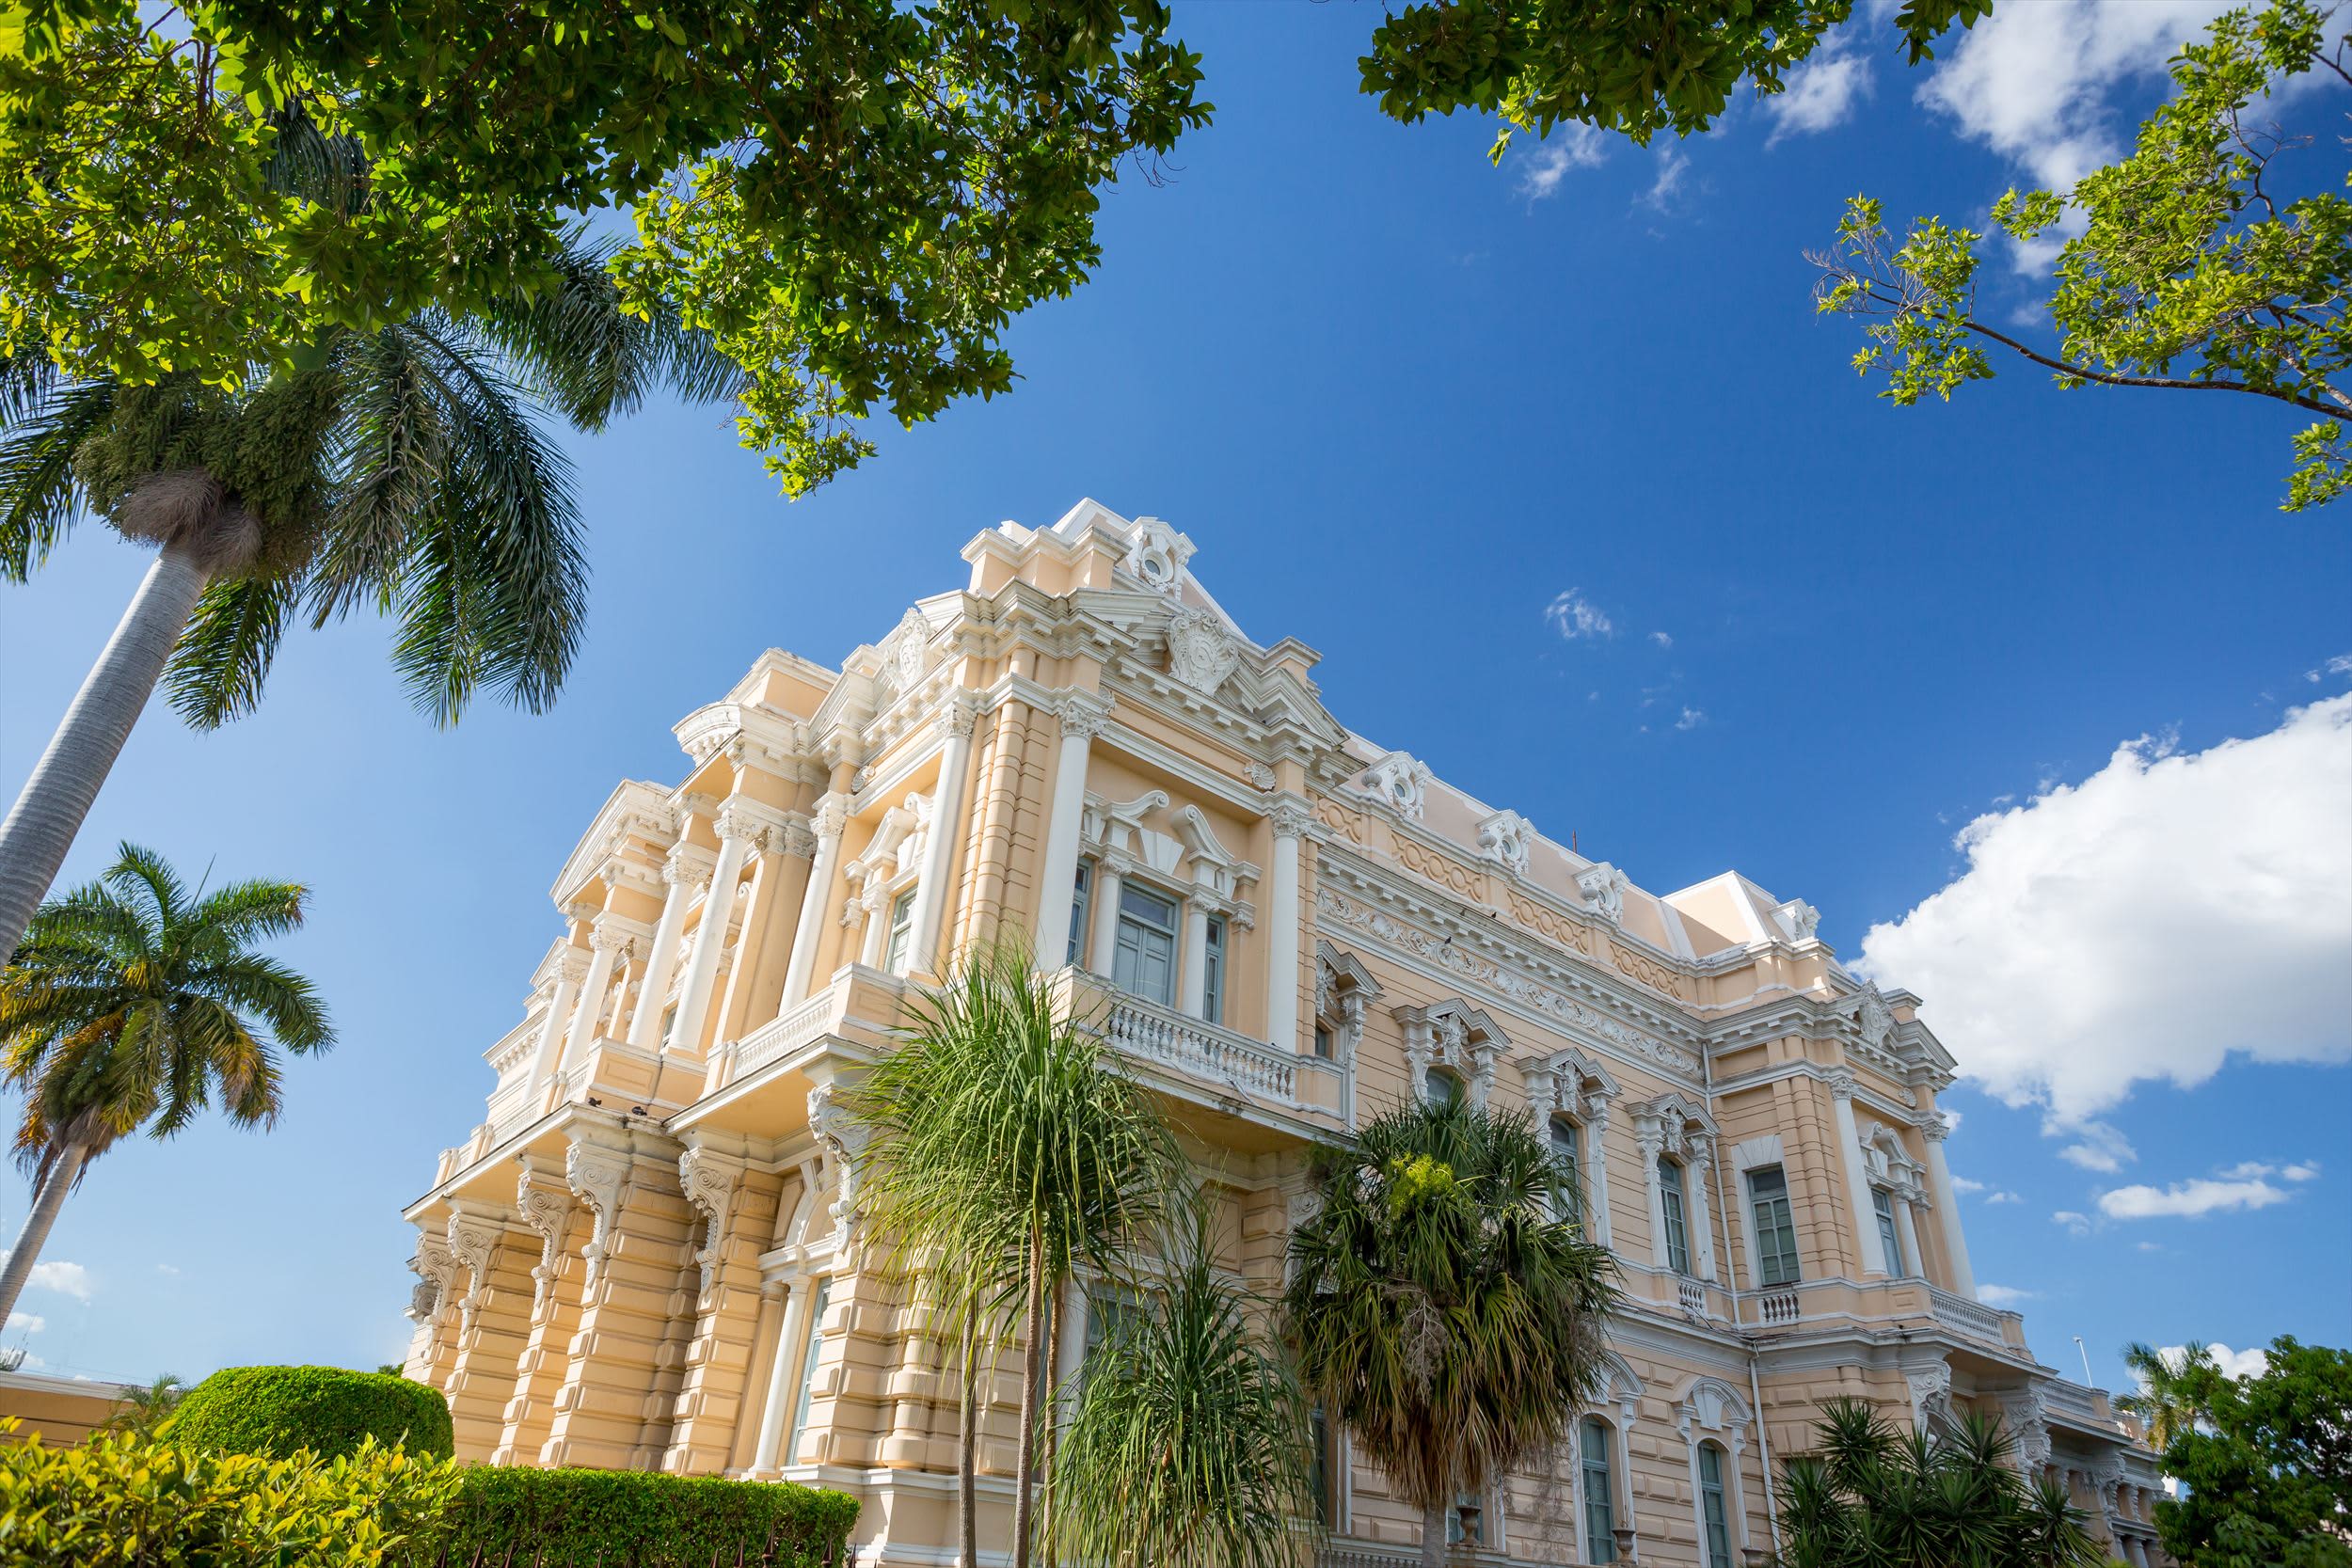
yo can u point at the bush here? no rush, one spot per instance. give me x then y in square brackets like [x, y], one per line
[328, 1410]
[125, 1502]
[583, 1518]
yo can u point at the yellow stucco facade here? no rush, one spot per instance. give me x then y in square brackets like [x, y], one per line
[648, 1255]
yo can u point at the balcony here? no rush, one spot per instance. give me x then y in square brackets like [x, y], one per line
[1971, 1318]
[1212, 1056]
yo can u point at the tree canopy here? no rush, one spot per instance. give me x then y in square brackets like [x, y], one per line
[2264, 1462]
[855, 199]
[2190, 268]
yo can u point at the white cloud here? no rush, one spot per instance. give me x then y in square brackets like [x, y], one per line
[2005, 1295]
[1691, 719]
[1820, 94]
[1572, 146]
[2307, 1171]
[166, 1269]
[2102, 1147]
[2149, 1247]
[2005, 1197]
[1662, 639]
[67, 1279]
[2033, 83]
[2076, 1225]
[2233, 1363]
[1961, 1184]
[1671, 167]
[29, 1322]
[1576, 616]
[2340, 665]
[2188, 1199]
[2035, 963]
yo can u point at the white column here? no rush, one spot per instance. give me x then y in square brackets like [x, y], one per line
[702, 967]
[833, 815]
[876, 903]
[1948, 1207]
[1196, 958]
[1289, 819]
[1865, 1222]
[569, 967]
[1103, 945]
[644, 1027]
[1058, 877]
[1646, 1146]
[1696, 1169]
[778, 1409]
[1907, 1232]
[606, 946]
[932, 895]
[1597, 1167]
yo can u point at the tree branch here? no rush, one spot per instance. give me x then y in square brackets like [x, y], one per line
[2177, 384]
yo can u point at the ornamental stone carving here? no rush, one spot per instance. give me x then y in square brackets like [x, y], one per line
[1673, 1126]
[472, 1241]
[1506, 838]
[1290, 819]
[1930, 1398]
[546, 1207]
[599, 1177]
[1798, 919]
[2022, 1413]
[1082, 715]
[1873, 1018]
[843, 1140]
[1456, 1035]
[1202, 649]
[1403, 781]
[905, 649]
[709, 1181]
[433, 1263]
[1604, 888]
[1570, 1083]
[1156, 554]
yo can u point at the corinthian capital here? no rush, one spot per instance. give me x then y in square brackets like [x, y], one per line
[962, 711]
[1082, 714]
[1290, 819]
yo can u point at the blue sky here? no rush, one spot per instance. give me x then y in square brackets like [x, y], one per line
[1405, 402]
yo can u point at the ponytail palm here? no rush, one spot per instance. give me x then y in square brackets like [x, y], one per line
[405, 469]
[1008, 1151]
[133, 1003]
[1440, 1308]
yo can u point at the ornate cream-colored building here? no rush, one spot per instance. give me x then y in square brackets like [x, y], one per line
[648, 1256]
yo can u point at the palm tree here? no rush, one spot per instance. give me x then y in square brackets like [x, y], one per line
[2166, 1401]
[402, 467]
[1438, 1308]
[1188, 1440]
[140, 1411]
[1007, 1152]
[131, 1003]
[1872, 1498]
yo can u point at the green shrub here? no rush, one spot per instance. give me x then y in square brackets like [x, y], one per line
[328, 1410]
[581, 1518]
[125, 1502]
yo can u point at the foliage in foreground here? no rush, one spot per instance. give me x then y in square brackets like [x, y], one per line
[123, 1501]
[1188, 1439]
[583, 1518]
[2193, 272]
[139, 1411]
[1869, 1497]
[2264, 1462]
[326, 1410]
[1441, 1305]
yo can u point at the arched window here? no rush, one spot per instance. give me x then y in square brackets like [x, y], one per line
[1567, 1147]
[1672, 1203]
[1712, 1508]
[1445, 1086]
[1600, 1491]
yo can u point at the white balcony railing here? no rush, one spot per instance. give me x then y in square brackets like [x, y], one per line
[1969, 1317]
[784, 1033]
[1202, 1050]
[1779, 1308]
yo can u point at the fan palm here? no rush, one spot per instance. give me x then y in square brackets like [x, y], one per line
[1007, 1152]
[402, 468]
[1188, 1439]
[2165, 1400]
[1438, 1308]
[1869, 1497]
[132, 1003]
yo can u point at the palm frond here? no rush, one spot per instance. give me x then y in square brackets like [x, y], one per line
[575, 349]
[224, 656]
[39, 496]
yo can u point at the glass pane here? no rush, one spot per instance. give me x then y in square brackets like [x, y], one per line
[1213, 972]
[1444, 1088]
[1078, 902]
[1890, 1239]
[1319, 1468]
[808, 1371]
[1711, 1504]
[1140, 904]
[1670, 1200]
[902, 923]
[1600, 1540]
[1567, 1147]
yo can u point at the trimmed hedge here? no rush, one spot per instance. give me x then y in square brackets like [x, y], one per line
[328, 1410]
[126, 1501]
[584, 1518]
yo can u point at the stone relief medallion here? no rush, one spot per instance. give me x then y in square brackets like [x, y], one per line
[1201, 652]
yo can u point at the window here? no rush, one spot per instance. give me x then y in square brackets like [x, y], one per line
[808, 1371]
[1671, 1203]
[1466, 1521]
[1775, 1230]
[1078, 901]
[669, 1024]
[1145, 964]
[1212, 970]
[1323, 1468]
[1600, 1494]
[1111, 1317]
[1712, 1505]
[901, 928]
[1567, 1147]
[1444, 1088]
[1890, 1239]
[1323, 1039]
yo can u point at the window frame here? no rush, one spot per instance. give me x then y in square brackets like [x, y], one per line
[1714, 1506]
[899, 934]
[1212, 957]
[1573, 1147]
[1890, 1234]
[1455, 1094]
[1780, 1229]
[1673, 1214]
[1081, 904]
[1173, 933]
[813, 1348]
[1600, 1520]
